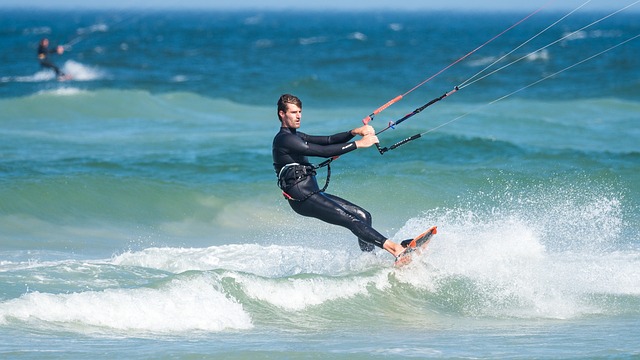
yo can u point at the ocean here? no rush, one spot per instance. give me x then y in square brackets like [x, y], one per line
[140, 216]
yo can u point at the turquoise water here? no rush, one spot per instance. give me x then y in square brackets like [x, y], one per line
[139, 215]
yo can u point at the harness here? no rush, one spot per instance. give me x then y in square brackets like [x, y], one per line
[293, 173]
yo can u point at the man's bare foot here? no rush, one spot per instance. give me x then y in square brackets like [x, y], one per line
[393, 248]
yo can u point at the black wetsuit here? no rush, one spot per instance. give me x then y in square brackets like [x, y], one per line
[43, 56]
[296, 177]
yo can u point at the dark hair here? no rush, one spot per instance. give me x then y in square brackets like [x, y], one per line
[287, 99]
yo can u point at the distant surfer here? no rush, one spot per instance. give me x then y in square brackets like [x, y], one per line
[297, 176]
[43, 57]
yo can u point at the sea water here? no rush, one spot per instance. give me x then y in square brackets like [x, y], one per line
[140, 217]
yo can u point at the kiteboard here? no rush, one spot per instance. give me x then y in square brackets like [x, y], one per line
[415, 246]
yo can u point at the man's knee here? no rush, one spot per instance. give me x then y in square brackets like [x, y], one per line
[363, 215]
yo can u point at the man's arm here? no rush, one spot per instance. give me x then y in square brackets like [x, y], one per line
[303, 145]
[327, 148]
[338, 138]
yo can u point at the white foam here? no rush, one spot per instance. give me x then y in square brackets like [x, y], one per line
[78, 72]
[357, 36]
[312, 40]
[482, 61]
[296, 294]
[541, 258]
[81, 72]
[396, 26]
[542, 55]
[63, 91]
[179, 78]
[182, 305]
[269, 261]
[39, 76]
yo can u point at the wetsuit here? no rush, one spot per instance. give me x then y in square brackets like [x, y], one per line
[43, 56]
[296, 178]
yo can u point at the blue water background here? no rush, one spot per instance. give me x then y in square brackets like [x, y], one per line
[139, 215]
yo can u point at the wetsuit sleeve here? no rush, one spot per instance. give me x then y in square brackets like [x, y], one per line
[322, 146]
[338, 138]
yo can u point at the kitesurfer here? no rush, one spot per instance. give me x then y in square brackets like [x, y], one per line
[43, 56]
[297, 176]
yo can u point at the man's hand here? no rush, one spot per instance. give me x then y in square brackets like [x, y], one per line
[367, 140]
[364, 131]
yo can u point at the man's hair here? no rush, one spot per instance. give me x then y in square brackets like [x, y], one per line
[287, 99]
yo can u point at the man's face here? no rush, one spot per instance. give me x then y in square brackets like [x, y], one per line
[291, 118]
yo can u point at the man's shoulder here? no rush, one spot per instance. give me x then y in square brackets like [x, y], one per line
[285, 133]
[289, 140]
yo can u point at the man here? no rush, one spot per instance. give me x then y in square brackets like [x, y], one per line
[43, 56]
[296, 175]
